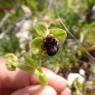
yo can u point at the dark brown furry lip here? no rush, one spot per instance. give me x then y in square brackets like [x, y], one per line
[50, 44]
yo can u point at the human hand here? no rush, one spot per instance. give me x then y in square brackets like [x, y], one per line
[19, 82]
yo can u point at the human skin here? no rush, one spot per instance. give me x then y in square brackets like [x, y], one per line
[19, 82]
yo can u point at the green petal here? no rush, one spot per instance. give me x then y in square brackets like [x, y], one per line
[59, 34]
[41, 29]
[36, 45]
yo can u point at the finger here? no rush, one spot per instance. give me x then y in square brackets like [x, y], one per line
[12, 79]
[66, 91]
[54, 80]
[19, 79]
[2, 60]
[36, 90]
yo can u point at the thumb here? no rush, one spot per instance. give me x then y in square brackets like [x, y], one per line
[36, 90]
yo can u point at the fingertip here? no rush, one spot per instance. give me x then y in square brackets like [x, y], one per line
[33, 79]
[54, 80]
[66, 91]
[2, 60]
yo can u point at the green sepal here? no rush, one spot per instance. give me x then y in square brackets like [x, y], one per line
[36, 45]
[59, 34]
[41, 29]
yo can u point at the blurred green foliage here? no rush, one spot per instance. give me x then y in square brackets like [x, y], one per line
[77, 17]
[10, 45]
[72, 13]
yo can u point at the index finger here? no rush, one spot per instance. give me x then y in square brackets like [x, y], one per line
[12, 79]
[54, 80]
[18, 79]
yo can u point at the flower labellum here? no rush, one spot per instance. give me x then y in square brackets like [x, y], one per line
[50, 44]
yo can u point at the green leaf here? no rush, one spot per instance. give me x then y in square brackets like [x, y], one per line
[41, 76]
[36, 45]
[13, 65]
[24, 67]
[41, 29]
[29, 61]
[59, 34]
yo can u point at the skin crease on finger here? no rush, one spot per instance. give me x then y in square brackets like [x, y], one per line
[40, 90]
[36, 90]
[14, 80]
